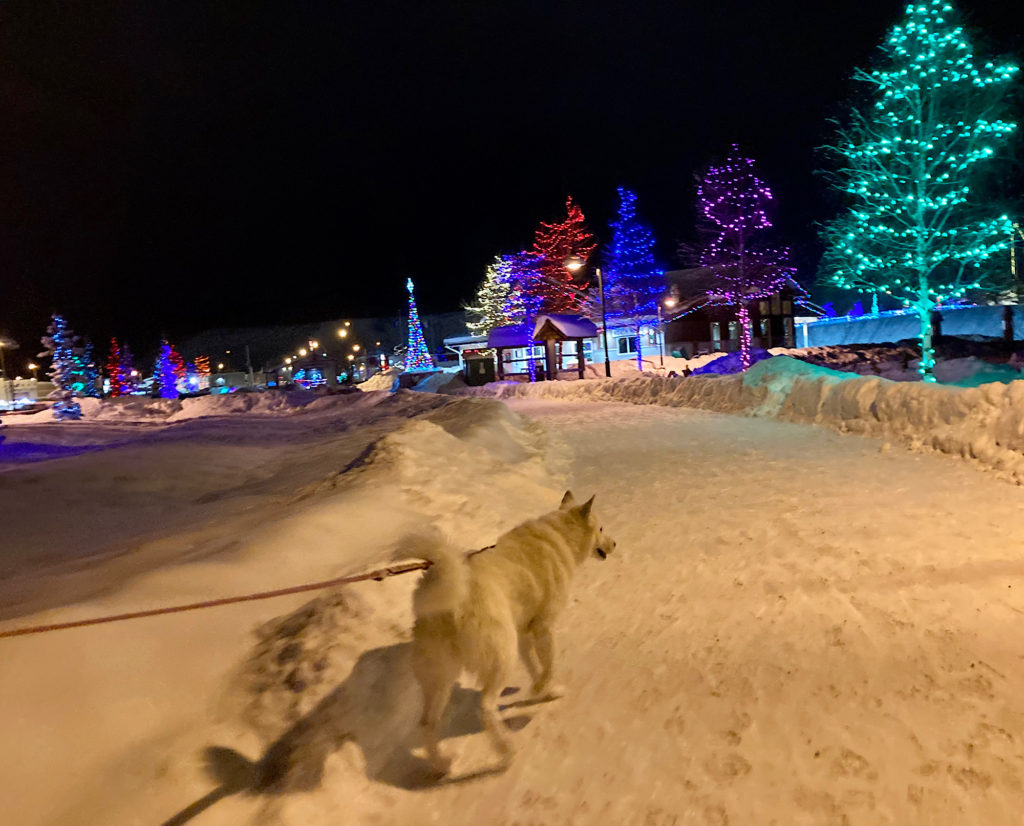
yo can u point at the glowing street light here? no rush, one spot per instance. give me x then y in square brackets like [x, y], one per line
[342, 333]
[288, 360]
[33, 368]
[573, 264]
[220, 365]
[351, 357]
[302, 351]
[355, 347]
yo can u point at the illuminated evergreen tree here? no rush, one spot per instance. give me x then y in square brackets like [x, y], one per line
[114, 370]
[165, 376]
[203, 369]
[87, 374]
[734, 201]
[417, 356]
[907, 162]
[632, 283]
[59, 347]
[554, 244]
[498, 299]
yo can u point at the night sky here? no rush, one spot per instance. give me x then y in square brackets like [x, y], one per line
[169, 166]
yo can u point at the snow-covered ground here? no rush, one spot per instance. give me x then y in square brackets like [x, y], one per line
[799, 627]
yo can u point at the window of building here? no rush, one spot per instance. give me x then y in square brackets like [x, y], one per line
[652, 335]
[627, 345]
[787, 307]
[734, 330]
[765, 326]
[790, 336]
[716, 331]
[763, 307]
[776, 304]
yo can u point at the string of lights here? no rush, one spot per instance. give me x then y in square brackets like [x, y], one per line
[913, 229]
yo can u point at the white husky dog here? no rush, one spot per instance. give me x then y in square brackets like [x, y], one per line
[480, 612]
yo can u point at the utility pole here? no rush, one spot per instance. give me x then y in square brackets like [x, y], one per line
[248, 366]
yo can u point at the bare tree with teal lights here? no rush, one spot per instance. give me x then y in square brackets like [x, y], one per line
[734, 204]
[906, 162]
[633, 284]
[59, 346]
[417, 356]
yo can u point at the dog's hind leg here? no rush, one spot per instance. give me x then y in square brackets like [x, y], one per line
[493, 681]
[436, 679]
[528, 656]
[544, 647]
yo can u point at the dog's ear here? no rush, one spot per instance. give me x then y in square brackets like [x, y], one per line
[567, 500]
[586, 507]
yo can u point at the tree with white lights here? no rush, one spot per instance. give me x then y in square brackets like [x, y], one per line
[907, 162]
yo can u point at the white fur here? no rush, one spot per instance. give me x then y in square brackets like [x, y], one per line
[482, 612]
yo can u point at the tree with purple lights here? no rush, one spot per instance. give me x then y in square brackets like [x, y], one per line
[733, 202]
[633, 284]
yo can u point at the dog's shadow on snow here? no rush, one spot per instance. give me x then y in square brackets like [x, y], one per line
[377, 708]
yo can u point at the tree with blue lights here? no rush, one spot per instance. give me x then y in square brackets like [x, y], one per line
[59, 347]
[417, 356]
[87, 374]
[165, 376]
[633, 285]
[734, 204]
[907, 162]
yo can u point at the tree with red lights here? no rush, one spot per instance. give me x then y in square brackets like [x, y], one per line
[553, 245]
[733, 202]
[115, 370]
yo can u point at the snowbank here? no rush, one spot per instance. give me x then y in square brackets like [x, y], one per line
[983, 423]
[381, 381]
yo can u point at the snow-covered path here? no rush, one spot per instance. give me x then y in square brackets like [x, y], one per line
[800, 628]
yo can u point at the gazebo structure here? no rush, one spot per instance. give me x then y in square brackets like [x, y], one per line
[551, 330]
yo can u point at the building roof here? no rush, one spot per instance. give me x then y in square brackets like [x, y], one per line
[517, 335]
[700, 281]
[569, 326]
[514, 335]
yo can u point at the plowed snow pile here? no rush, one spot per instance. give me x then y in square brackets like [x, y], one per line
[984, 423]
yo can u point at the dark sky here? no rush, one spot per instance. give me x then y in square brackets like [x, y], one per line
[172, 165]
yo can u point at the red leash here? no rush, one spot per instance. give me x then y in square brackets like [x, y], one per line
[378, 575]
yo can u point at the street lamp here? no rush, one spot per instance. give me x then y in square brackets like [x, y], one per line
[670, 302]
[573, 264]
[33, 368]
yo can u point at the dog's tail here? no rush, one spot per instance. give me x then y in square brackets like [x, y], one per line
[445, 585]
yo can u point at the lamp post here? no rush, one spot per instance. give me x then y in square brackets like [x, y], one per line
[670, 302]
[33, 367]
[573, 264]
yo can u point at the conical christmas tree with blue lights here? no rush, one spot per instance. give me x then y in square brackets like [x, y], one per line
[417, 356]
